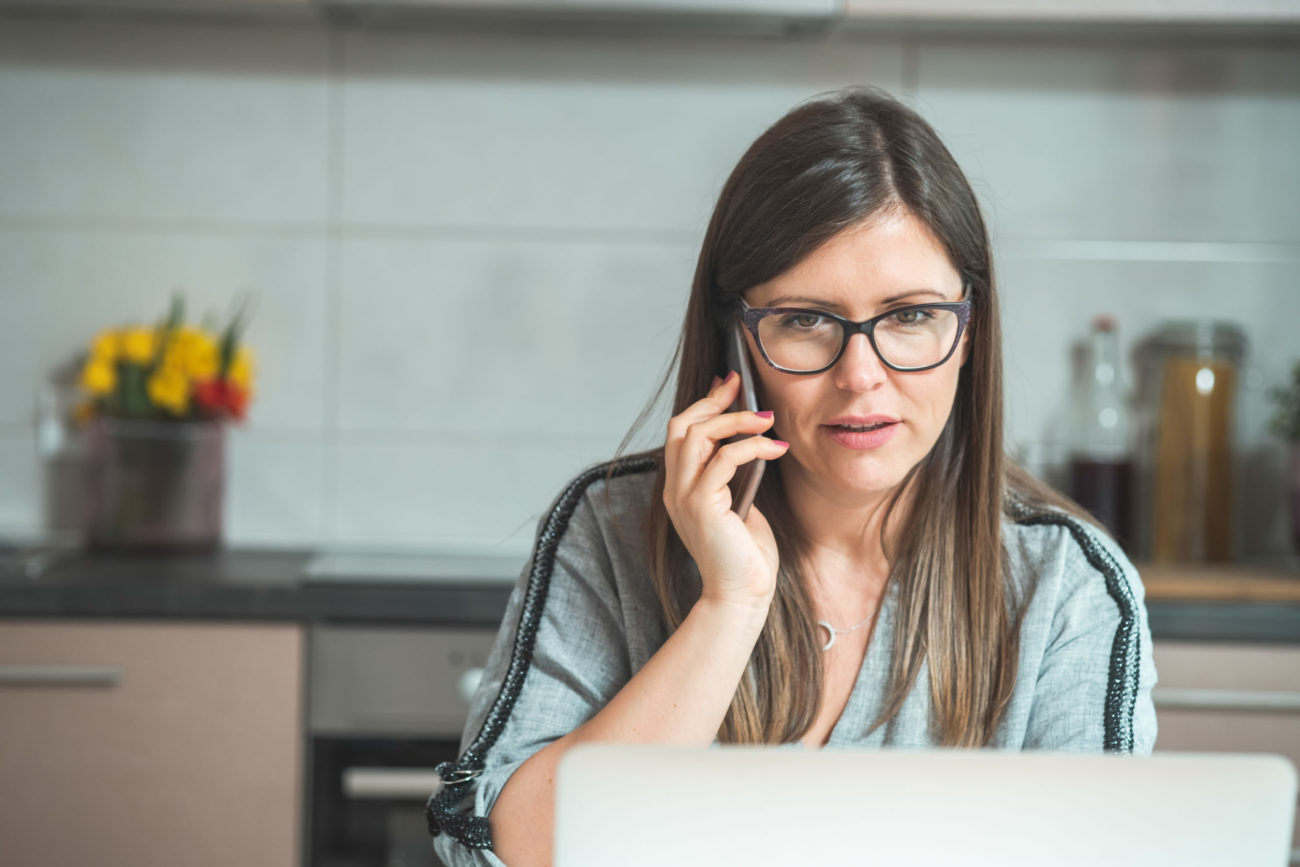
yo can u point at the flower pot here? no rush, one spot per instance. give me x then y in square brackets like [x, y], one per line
[154, 486]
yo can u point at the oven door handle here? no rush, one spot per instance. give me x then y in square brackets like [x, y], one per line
[390, 784]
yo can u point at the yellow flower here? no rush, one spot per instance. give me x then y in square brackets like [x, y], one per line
[241, 369]
[106, 346]
[99, 376]
[193, 352]
[169, 388]
[139, 345]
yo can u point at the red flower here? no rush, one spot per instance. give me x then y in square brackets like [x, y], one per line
[221, 396]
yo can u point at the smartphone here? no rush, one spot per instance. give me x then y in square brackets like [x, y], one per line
[744, 484]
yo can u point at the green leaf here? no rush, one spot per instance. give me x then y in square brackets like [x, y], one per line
[1285, 422]
[135, 394]
[168, 328]
[230, 339]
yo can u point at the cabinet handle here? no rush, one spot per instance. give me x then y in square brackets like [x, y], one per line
[390, 784]
[1226, 699]
[61, 675]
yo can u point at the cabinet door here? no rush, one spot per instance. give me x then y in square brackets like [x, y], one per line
[150, 743]
[1229, 698]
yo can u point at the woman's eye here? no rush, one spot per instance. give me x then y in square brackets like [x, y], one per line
[801, 320]
[912, 317]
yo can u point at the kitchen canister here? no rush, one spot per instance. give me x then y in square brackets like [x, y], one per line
[1187, 399]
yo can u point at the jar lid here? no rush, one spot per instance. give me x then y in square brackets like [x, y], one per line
[1200, 337]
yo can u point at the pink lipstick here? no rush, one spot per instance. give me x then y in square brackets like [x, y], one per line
[861, 431]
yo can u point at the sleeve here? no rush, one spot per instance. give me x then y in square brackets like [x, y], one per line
[559, 657]
[1093, 691]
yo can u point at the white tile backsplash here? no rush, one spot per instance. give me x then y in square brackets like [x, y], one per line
[22, 490]
[454, 492]
[576, 134]
[166, 122]
[275, 488]
[60, 288]
[1139, 143]
[507, 339]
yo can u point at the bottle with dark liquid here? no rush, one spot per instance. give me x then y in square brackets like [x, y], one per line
[1101, 430]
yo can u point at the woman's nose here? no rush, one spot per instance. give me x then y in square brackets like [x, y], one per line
[859, 368]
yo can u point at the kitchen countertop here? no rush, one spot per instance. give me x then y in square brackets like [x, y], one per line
[249, 584]
[1184, 603]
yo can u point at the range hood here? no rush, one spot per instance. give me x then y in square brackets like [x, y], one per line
[639, 17]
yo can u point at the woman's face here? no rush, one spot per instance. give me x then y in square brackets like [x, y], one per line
[890, 261]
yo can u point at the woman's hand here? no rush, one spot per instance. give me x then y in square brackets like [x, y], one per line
[737, 560]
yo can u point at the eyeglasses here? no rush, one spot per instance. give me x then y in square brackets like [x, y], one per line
[908, 339]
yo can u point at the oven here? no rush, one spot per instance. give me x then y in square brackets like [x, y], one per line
[386, 704]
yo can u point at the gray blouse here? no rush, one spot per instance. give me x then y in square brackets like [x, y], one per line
[584, 618]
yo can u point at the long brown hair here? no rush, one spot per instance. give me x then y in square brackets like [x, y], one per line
[832, 163]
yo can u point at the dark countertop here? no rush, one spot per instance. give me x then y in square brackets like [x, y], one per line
[253, 585]
[281, 585]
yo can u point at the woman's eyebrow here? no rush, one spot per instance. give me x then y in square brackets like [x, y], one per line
[796, 300]
[913, 293]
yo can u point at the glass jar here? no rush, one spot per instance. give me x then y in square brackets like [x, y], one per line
[154, 485]
[1187, 398]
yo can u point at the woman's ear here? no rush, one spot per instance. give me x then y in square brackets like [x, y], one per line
[965, 345]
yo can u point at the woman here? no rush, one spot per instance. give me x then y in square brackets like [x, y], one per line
[898, 582]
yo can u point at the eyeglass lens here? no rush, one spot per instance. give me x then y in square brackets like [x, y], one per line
[805, 340]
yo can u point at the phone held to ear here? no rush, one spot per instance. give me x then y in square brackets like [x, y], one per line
[744, 484]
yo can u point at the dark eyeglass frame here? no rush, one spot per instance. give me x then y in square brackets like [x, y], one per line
[751, 316]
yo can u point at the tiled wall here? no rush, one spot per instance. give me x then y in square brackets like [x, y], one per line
[470, 252]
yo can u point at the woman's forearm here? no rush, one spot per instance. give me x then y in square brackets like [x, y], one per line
[680, 696]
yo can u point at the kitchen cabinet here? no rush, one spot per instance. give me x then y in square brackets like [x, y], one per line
[150, 742]
[1229, 698]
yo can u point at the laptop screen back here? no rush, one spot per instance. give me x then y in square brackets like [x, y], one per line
[753, 806]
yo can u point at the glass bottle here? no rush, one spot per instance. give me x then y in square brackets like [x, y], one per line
[1101, 432]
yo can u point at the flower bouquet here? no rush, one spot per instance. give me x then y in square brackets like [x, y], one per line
[158, 401]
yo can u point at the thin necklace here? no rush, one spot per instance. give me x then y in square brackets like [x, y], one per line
[834, 633]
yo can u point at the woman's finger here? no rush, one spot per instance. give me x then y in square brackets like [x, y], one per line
[706, 437]
[715, 402]
[722, 468]
[711, 405]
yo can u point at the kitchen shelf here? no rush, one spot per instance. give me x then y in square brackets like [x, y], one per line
[1219, 582]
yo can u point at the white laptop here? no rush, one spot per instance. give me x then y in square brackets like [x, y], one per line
[754, 806]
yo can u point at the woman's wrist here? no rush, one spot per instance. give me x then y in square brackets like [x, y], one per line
[747, 613]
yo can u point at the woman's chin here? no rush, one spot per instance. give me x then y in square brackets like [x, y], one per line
[869, 490]
[860, 480]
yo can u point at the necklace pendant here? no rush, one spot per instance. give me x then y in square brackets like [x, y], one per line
[831, 631]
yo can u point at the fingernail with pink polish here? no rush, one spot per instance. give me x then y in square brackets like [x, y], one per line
[782, 443]
[716, 382]
[731, 374]
[764, 413]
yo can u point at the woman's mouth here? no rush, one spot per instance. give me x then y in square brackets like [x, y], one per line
[859, 428]
[861, 433]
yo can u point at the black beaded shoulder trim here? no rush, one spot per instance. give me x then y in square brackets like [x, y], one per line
[1122, 684]
[458, 776]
